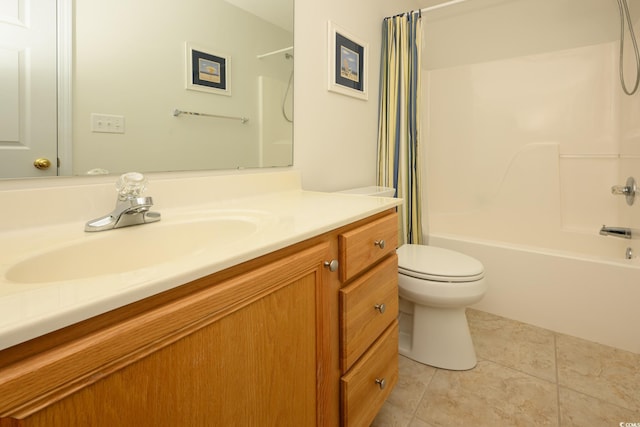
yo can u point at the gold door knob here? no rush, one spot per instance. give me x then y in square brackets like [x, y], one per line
[42, 163]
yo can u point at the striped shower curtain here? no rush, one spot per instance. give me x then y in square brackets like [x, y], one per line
[399, 118]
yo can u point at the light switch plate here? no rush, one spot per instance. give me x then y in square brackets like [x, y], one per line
[107, 123]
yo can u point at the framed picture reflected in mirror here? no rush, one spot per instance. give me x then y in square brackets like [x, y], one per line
[207, 71]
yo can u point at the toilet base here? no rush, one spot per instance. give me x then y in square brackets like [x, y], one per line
[440, 337]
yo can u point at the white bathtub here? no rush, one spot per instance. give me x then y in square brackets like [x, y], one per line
[593, 297]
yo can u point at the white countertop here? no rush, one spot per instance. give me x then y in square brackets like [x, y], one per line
[285, 217]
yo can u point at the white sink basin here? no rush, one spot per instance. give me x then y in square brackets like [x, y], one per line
[132, 248]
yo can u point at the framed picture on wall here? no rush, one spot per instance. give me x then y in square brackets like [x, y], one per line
[348, 58]
[207, 71]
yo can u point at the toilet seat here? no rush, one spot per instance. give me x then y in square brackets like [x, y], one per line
[438, 264]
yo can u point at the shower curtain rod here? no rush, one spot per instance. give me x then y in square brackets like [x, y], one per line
[441, 5]
[275, 52]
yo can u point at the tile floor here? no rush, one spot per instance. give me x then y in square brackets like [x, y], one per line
[526, 376]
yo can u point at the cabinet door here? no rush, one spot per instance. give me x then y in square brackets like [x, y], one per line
[253, 367]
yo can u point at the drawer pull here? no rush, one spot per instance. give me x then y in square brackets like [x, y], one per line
[331, 265]
[379, 243]
[380, 307]
[382, 383]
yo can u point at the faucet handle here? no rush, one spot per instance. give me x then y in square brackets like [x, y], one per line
[130, 185]
[628, 190]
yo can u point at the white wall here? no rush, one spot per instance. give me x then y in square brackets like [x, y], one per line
[335, 135]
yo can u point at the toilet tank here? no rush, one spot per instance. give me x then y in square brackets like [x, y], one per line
[372, 190]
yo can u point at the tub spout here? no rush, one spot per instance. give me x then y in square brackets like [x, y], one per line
[622, 232]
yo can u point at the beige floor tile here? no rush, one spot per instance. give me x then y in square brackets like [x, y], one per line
[489, 395]
[419, 423]
[392, 416]
[413, 378]
[596, 385]
[606, 373]
[398, 410]
[579, 410]
[510, 343]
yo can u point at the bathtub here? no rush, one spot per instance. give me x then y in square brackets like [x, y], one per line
[588, 295]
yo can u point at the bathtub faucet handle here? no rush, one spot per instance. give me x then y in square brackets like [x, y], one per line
[628, 190]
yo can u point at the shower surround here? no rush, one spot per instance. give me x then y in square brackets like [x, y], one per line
[521, 154]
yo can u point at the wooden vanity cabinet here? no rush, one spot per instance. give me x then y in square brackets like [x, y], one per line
[230, 349]
[258, 344]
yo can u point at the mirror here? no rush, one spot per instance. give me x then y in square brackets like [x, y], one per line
[129, 76]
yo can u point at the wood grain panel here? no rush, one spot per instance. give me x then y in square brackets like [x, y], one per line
[361, 323]
[255, 367]
[358, 250]
[361, 396]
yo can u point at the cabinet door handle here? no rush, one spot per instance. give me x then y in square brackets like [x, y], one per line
[380, 243]
[331, 265]
[382, 383]
[380, 307]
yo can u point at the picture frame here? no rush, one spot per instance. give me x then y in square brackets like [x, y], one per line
[207, 71]
[348, 63]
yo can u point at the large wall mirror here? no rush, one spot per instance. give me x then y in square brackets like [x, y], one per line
[129, 76]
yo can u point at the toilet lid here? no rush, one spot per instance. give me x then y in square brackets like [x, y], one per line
[438, 264]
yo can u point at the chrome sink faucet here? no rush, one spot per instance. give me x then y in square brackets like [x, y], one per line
[131, 207]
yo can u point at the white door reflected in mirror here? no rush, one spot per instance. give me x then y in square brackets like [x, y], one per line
[28, 111]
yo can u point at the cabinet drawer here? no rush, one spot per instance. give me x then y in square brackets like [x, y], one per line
[365, 245]
[362, 396]
[367, 308]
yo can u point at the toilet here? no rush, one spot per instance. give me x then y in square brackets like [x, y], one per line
[435, 287]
